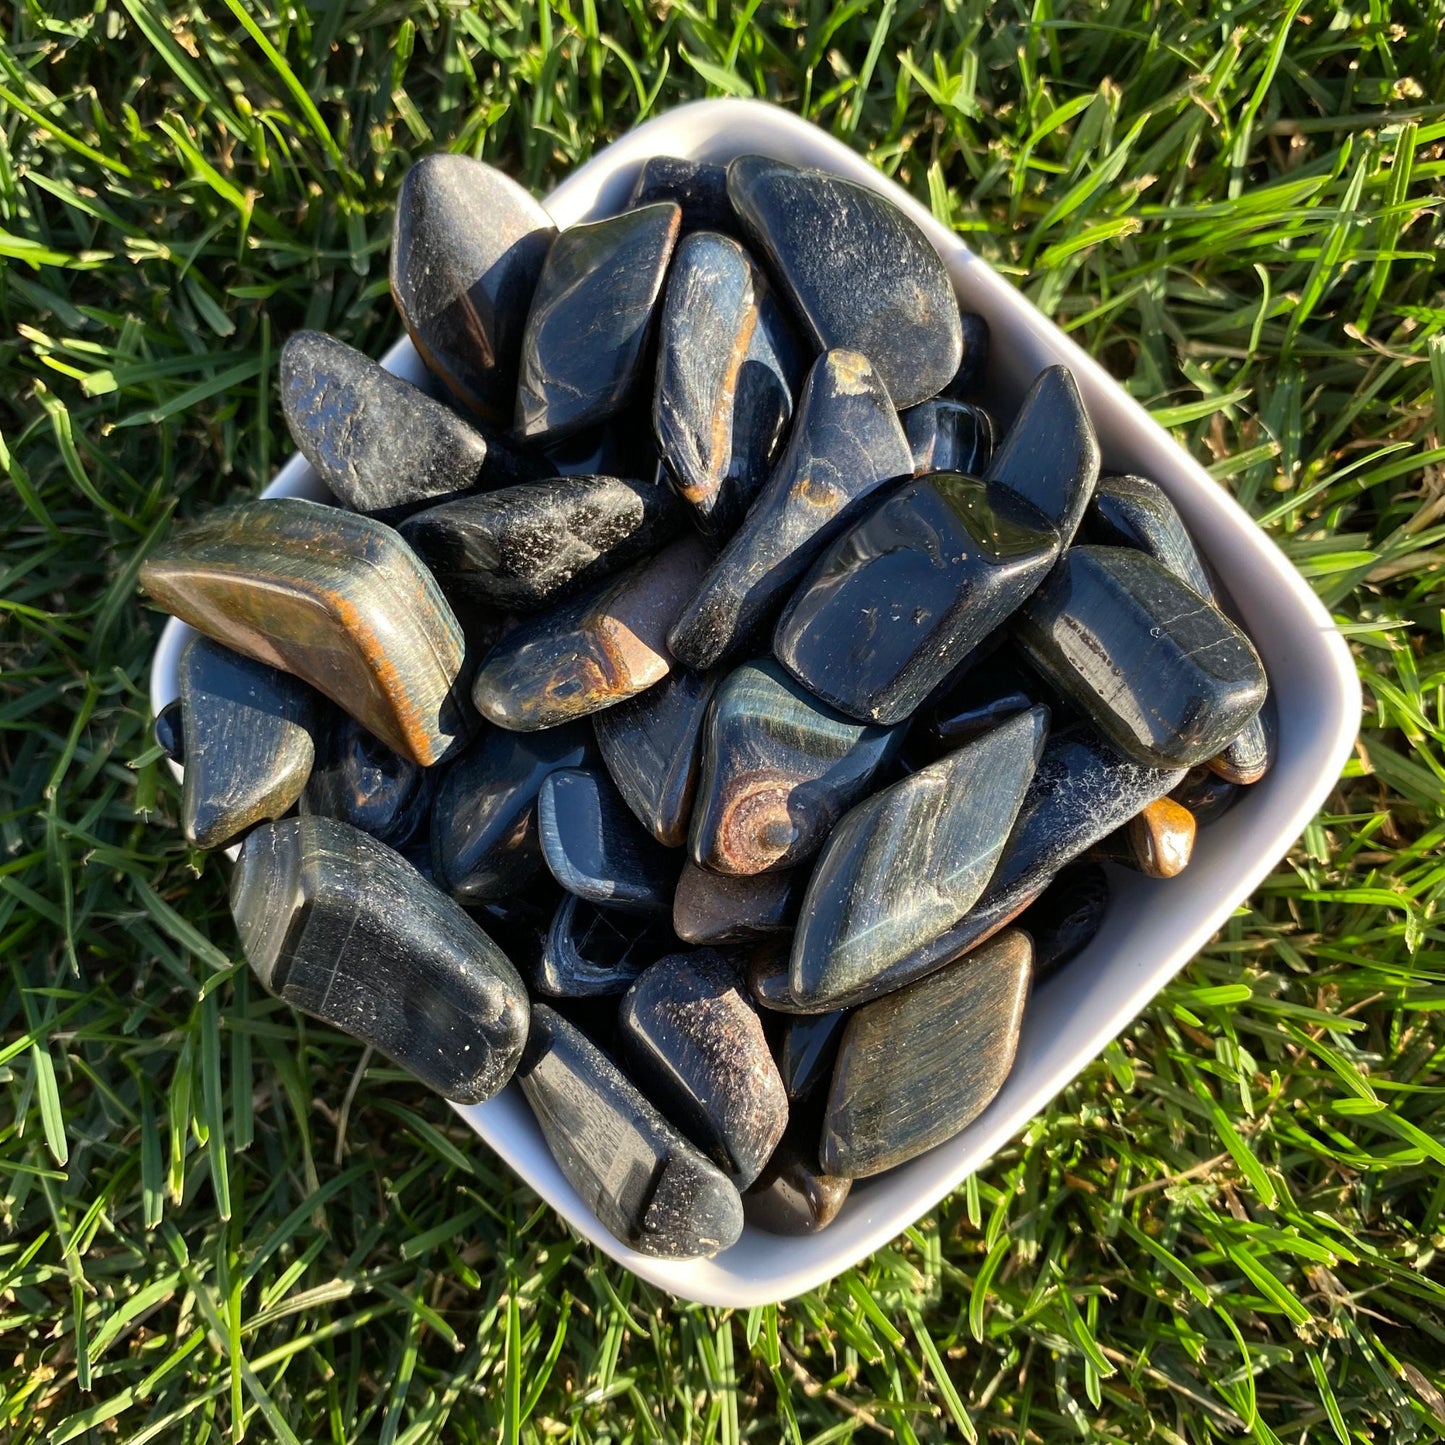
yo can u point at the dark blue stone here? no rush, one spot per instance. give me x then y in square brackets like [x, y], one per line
[900, 599]
[597, 849]
[699, 188]
[592, 952]
[948, 436]
[1066, 916]
[361, 781]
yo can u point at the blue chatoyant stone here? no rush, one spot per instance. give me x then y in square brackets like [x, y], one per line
[846, 441]
[249, 742]
[893, 606]
[860, 274]
[345, 929]
[592, 952]
[650, 1187]
[1163, 672]
[597, 849]
[361, 781]
[904, 866]
[1050, 455]
[1064, 919]
[778, 771]
[948, 436]
[466, 251]
[591, 317]
[485, 844]
[693, 1039]
[700, 188]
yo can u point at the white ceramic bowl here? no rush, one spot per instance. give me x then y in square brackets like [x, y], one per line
[1153, 928]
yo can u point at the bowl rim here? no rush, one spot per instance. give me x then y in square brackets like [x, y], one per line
[1294, 632]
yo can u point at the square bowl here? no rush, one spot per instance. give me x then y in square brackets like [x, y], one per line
[1152, 928]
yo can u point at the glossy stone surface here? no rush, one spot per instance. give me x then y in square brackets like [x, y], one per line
[806, 1048]
[346, 930]
[651, 746]
[169, 732]
[467, 249]
[1162, 671]
[1064, 919]
[1134, 512]
[948, 436]
[485, 843]
[361, 781]
[716, 908]
[606, 646]
[987, 694]
[1158, 841]
[1246, 758]
[972, 371]
[1206, 794]
[793, 1196]
[648, 1185]
[846, 440]
[892, 607]
[698, 187]
[249, 733]
[1050, 455]
[526, 547]
[591, 952]
[778, 771]
[380, 444]
[907, 864]
[916, 1067]
[725, 381]
[596, 849]
[861, 276]
[336, 598]
[695, 1043]
[1082, 789]
[591, 315]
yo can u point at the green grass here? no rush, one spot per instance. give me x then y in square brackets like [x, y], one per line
[218, 1219]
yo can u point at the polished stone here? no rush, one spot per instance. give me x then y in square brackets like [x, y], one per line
[717, 908]
[807, 1045]
[343, 928]
[698, 187]
[651, 745]
[649, 1186]
[380, 444]
[248, 731]
[592, 952]
[1162, 671]
[361, 781]
[861, 275]
[527, 547]
[597, 849]
[891, 608]
[694, 1042]
[778, 771]
[1133, 512]
[1050, 456]
[1158, 841]
[846, 440]
[600, 649]
[1206, 794]
[918, 1066]
[986, 694]
[485, 843]
[793, 1196]
[169, 732]
[591, 316]
[1065, 918]
[1129, 511]
[1082, 789]
[907, 864]
[467, 249]
[948, 436]
[724, 389]
[1247, 757]
[336, 598]
[620, 446]
[968, 381]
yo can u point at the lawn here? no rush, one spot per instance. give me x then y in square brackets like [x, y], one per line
[214, 1221]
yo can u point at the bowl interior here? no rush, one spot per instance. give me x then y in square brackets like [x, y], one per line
[1153, 928]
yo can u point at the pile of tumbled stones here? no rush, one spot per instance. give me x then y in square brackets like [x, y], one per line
[687, 709]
